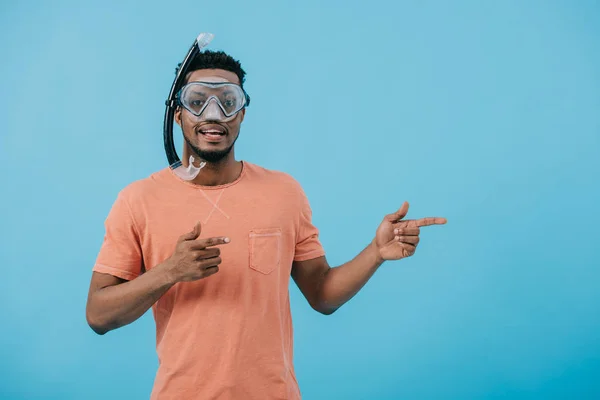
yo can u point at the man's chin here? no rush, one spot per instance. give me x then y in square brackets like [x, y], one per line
[212, 155]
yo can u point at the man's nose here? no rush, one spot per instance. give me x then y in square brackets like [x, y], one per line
[213, 112]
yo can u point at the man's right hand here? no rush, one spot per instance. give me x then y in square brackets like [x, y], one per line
[194, 258]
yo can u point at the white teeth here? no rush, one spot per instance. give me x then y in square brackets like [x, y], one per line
[213, 132]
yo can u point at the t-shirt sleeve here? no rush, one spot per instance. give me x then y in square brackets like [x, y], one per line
[120, 254]
[308, 245]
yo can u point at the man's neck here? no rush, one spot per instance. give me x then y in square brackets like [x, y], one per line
[218, 173]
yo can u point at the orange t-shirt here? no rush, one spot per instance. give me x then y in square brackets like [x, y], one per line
[228, 336]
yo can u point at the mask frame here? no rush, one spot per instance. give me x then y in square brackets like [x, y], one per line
[245, 99]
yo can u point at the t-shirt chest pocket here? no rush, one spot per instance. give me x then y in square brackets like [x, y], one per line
[264, 246]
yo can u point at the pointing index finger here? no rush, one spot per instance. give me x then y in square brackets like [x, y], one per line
[209, 242]
[430, 221]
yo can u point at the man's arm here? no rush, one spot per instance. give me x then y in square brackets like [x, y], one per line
[326, 288]
[114, 302]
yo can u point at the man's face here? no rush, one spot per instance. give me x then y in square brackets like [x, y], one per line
[210, 139]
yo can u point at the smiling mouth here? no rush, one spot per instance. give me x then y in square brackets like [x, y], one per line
[212, 134]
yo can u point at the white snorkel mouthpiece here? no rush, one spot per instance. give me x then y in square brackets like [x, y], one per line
[191, 172]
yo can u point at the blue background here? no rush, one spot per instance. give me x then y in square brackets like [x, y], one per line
[483, 112]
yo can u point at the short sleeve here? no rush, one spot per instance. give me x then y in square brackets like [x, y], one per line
[308, 245]
[120, 254]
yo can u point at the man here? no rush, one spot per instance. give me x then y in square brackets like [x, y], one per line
[212, 256]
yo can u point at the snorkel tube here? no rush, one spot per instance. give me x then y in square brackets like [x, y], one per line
[175, 163]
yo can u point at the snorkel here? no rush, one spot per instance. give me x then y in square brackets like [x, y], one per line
[175, 163]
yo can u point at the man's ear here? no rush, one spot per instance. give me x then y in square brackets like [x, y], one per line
[178, 116]
[243, 112]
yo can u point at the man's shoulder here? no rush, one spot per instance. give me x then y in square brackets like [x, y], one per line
[141, 188]
[275, 177]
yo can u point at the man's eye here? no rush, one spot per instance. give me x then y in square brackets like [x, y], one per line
[197, 103]
[229, 103]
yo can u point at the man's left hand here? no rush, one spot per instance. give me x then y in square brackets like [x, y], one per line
[397, 238]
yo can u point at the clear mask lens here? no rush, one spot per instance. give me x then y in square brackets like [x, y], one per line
[212, 101]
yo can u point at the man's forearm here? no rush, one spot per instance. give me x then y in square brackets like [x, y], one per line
[115, 306]
[341, 283]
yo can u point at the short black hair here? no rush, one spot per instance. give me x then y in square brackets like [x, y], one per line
[217, 60]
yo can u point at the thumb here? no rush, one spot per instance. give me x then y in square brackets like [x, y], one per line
[194, 234]
[398, 215]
